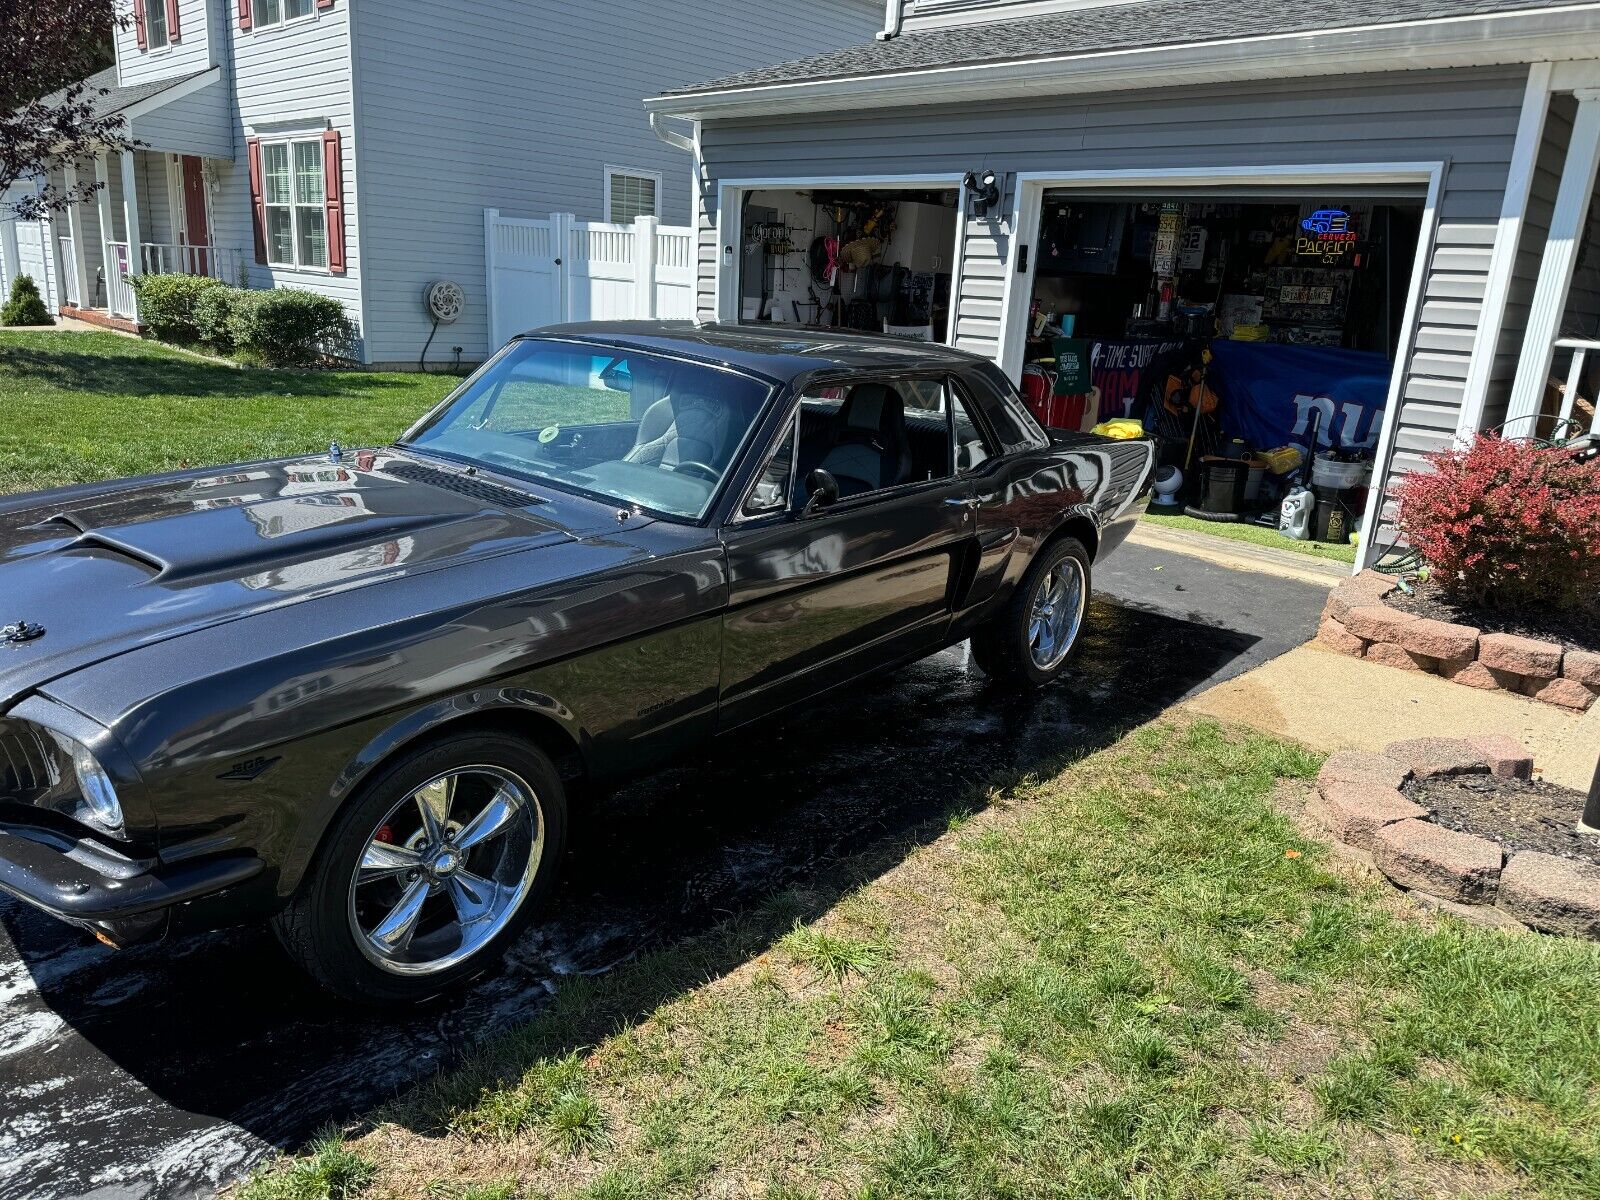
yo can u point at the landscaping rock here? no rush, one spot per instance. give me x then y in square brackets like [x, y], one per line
[1391, 655]
[1336, 637]
[1365, 589]
[1554, 894]
[1506, 757]
[1476, 675]
[1456, 866]
[1568, 693]
[1440, 640]
[1358, 766]
[1520, 655]
[1377, 623]
[1582, 666]
[1430, 756]
[1356, 811]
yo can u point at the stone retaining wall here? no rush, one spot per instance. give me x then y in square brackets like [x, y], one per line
[1357, 622]
[1361, 803]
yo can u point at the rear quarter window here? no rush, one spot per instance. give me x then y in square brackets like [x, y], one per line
[1013, 425]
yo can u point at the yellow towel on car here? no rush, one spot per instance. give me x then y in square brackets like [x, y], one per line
[1122, 429]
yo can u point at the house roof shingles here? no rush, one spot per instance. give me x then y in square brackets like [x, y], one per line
[1094, 30]
[117, 99]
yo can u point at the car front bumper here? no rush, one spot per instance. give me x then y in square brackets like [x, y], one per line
[123, 901]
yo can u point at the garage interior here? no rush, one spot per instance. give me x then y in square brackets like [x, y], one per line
[872, 260]
[1235, 329]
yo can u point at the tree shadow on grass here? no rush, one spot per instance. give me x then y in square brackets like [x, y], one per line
[680, 877]
[142, 370]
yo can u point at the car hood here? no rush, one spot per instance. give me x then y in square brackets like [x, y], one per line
[106, 568]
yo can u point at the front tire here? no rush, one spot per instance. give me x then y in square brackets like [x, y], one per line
[1033, 638]
[432, 872]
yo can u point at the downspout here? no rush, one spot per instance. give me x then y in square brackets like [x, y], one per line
[892, 17]
[669, 136]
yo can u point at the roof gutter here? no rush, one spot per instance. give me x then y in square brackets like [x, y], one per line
[1494, 39]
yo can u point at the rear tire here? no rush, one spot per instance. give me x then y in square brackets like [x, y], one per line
[431, 872]
[1031, 640]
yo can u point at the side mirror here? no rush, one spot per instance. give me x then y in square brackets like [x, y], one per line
[822, 489]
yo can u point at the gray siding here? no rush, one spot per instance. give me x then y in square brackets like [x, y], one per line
[291, 78]
[1582, 316]
[1466, 118]
[200, 123]
[191, 54]
[1530, 253]
[520, 107]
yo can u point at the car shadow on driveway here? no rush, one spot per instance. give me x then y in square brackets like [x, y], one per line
[171, 1069]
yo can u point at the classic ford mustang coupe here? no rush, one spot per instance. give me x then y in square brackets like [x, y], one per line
[356, 693]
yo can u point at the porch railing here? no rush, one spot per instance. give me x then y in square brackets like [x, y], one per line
[163, 258]
[70, 293]
[1571, 420]
[119, 295]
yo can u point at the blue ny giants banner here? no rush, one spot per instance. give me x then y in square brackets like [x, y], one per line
[1269, 392]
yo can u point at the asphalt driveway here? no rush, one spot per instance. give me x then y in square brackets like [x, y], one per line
[166, 1072]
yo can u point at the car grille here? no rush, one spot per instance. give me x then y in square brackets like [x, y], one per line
[462, 485]
[27, 762]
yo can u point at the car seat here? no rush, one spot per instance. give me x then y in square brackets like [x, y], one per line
[686, 427]
[870, 448]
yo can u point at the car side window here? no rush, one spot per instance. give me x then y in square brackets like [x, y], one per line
[877, 434]
[773, 485]
[973, 447]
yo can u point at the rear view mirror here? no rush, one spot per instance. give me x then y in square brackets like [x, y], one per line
[617, 377]
[822, 489]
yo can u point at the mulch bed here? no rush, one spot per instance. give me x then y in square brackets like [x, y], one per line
[1519, 814]
[1578, 630]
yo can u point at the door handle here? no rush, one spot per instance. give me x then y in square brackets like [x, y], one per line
[961, 502]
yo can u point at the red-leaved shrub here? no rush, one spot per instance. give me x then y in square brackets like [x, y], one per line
[1505, 523]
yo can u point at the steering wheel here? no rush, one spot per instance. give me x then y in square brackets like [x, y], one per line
[706, 472]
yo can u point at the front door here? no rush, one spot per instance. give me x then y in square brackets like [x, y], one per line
[196, 218]
[818, 597]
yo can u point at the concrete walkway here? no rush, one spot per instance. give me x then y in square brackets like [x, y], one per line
[1241, 556]
[1331, 702]
[62, 325]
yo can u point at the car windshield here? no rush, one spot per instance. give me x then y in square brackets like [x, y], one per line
[624, 425]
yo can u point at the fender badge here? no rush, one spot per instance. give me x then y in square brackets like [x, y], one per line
[22, 631]
[247, 772]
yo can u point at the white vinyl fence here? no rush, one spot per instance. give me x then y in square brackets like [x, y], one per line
[563, 269]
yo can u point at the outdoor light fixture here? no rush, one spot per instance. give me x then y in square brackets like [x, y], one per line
[984, 190]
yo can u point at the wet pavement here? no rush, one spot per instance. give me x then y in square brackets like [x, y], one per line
[168, 1071]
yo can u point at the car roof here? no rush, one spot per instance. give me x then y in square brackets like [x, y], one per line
[779, 352]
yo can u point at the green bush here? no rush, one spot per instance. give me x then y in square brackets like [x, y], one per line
[213, 308]
[282, 327]
[25, 306]
[289, 326]
[167, 304]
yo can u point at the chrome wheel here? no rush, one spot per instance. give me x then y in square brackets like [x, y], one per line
[446, 870]
[1056, 614]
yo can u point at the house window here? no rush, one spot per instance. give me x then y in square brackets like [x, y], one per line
[276, 12]
[156, 34]
[295, 195]
[631, 194]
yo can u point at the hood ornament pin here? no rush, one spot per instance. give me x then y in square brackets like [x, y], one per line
[22, 631]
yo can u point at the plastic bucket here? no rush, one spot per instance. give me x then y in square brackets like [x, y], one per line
[1330, 473]
[1222, 484]
[1332, 520]
[1258, 475]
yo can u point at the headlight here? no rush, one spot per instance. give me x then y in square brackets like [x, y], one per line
[96, 801]
[47, 769]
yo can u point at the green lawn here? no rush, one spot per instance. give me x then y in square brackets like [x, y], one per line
[1134, 978]
[1255, 534]
[86, 406]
